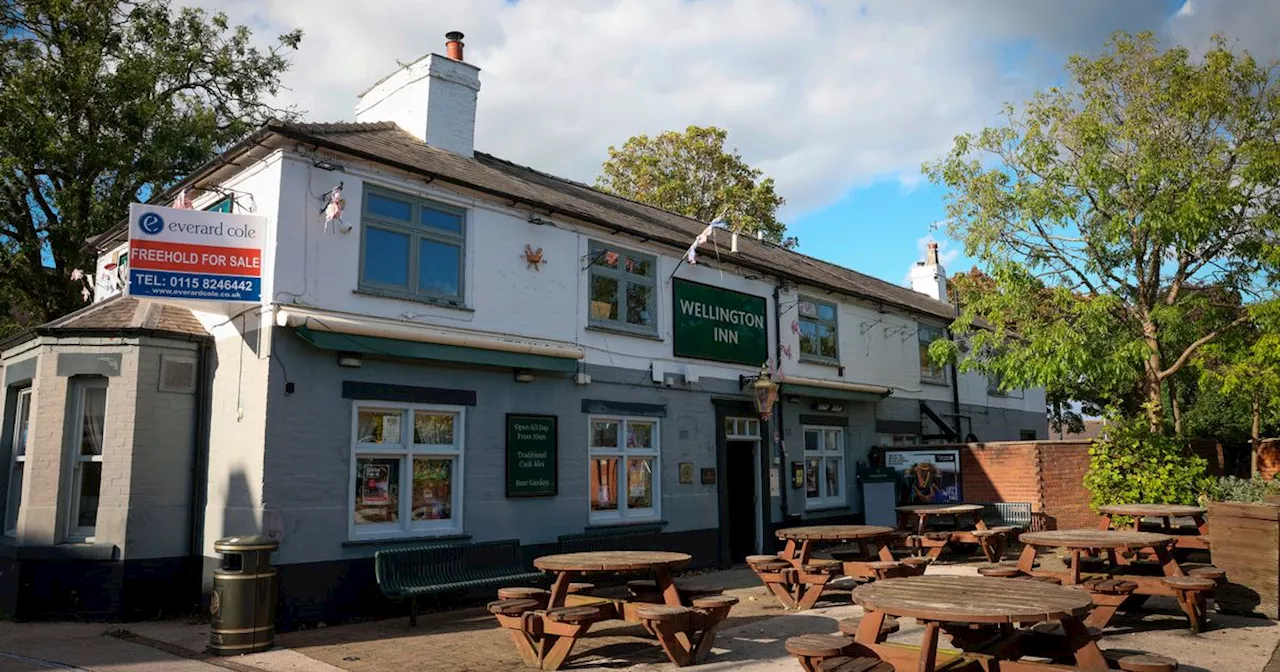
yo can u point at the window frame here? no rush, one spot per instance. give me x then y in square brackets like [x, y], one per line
[417, 232]
[406, 451]
[17, 442]
[741, 428]
[81, 533]
[624, 513]
[825, 500]
[923, 352]
[596, 249]
[801, 318]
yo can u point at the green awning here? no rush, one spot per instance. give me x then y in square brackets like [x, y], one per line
[829, 393]
[394, 347]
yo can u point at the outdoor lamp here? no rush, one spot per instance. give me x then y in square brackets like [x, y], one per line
[763, 391]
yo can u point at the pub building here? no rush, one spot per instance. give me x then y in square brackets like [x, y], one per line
[388, 338]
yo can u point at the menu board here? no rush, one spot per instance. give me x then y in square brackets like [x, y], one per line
[531, 455]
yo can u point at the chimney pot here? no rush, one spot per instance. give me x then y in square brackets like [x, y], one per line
[454, 45]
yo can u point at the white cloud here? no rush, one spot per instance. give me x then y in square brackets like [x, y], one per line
[822, 95]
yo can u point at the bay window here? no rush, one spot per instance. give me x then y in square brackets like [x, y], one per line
[406, 470]
[90, 411]
[824, 467]
[17, 460]
[624, 469]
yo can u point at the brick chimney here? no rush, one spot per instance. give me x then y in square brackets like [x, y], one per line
[929, 277]
[434, 98]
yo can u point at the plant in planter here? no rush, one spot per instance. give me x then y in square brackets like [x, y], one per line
[1130, 464]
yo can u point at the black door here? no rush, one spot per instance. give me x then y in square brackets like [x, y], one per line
[740, 481]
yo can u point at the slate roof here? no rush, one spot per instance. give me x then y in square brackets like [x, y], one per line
[387, 143]
[127, 313]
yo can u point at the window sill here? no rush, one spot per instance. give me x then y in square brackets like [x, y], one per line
[653, 522]
[624, 332]
[439, 303]
[378, 541]
[936, 382]
[820, 361]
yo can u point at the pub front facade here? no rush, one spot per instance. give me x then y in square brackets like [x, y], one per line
[463, 348]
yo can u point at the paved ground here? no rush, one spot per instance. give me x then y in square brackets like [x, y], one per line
[467, 641]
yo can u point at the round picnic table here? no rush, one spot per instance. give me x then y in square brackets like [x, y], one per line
[1166, 513]
[923, 512]
[568, 565]
[948, 601]
[799, 539]
[1110, 541]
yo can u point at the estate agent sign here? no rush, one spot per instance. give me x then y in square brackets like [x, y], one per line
[195, 254]
[719, 324]
[531, 455]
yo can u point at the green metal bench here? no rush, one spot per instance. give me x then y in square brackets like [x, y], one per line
[447, 568]
[644, 539]
[1008, 514]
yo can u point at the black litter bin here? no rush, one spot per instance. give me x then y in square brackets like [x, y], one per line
[242, 609]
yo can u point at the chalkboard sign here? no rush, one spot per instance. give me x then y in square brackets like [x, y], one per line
[531, 455]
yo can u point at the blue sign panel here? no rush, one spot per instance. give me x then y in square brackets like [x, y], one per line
[171, 285]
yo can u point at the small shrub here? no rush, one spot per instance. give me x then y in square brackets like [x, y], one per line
[1131, 465]
[1249, 490]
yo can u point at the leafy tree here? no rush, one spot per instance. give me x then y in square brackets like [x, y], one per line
[1244, 368]
[105, 102]
[1127, 220]
[1130, 464]
[691, 173]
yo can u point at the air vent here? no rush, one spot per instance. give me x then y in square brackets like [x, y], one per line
[177, 374]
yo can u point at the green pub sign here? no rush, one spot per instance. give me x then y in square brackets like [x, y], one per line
[719, 324]
[531, 455]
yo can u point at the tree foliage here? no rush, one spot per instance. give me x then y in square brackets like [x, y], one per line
[104, 102]
[691, 173]
[1127, 220]
[1130, 464]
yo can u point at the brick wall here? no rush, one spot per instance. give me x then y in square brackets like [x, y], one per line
[1065, 500]
[1000, 472]
[1269, 458]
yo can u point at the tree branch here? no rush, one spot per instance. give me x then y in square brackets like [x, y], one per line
[1191, 349]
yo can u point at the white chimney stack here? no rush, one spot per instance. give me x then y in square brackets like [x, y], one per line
[929, 277]
[434, 98]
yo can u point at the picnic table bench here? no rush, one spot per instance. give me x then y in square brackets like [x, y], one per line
[545, 628]
[445, 568]
[1191, 592]
[797, 578]
[991, 540]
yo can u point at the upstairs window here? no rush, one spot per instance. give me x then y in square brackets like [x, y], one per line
[623, 290]
[412, 248]
[929, 371]
[818, 340]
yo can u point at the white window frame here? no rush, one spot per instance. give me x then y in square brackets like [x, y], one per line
[817, 320]
[741, 429]
[624, 513]
[84, 533]
[406, 451]
[18, 456]
[935, 374]
[824, 500]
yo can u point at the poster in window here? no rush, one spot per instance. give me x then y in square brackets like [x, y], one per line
[811, 477]
[375, 484]
[928, 476]
[391, 428]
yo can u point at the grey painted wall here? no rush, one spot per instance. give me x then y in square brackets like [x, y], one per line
[859, 436]
[308, 452]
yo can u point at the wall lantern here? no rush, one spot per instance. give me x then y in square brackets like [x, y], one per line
[763, 391]
[350, 360]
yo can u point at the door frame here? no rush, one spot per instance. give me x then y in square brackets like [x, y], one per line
[735, 408]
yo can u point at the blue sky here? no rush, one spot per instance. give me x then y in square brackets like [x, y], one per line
[839, 102]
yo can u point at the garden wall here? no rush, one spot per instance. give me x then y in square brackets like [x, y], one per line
[1269, 458]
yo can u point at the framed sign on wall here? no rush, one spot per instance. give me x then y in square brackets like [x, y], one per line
[532, 446]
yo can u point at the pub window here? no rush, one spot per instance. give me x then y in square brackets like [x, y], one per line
[929, 371]
[411, 247]
[406, 465]
[622, 289]
[741, 428]
[89, 412]
[823, 467]
[17, 461]
[623, 465]
[818, 340]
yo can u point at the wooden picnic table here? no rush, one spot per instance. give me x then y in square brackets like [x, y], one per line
[980, 614]
[1183, 537]
[798, 579]
[544, 634]
[992, 542]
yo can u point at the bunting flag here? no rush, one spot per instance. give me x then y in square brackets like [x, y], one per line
[183, 201]
[692, 254]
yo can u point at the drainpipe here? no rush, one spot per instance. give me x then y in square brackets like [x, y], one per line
[783, 487]
[955, 385]
[200, 469]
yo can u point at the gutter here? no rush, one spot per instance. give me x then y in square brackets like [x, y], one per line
[331, 322]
